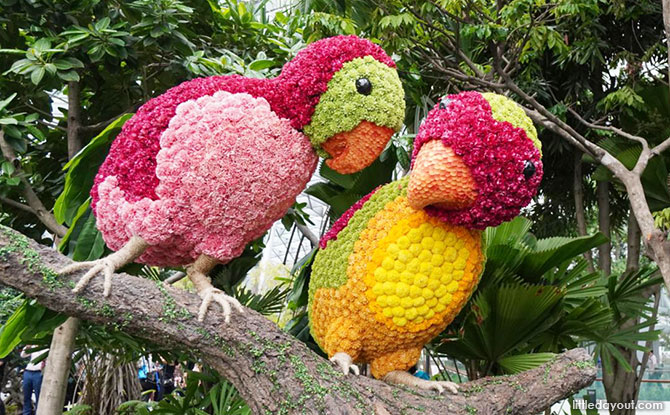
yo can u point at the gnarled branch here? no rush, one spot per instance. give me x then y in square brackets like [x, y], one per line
[273, 372]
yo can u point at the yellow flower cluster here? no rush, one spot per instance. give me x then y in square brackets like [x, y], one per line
[422, 272]
[504, 109]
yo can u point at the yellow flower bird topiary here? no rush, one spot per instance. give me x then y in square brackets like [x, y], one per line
[399, 266]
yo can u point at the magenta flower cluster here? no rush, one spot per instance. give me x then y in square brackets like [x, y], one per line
[227, 168]
[496, 153]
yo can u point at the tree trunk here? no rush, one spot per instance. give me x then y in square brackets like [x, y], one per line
[633, 244]
[657, 244]
[74, 143]
[54, 381]
[273, 372]
[578, 191]
[619, 383]
[604, 250]
[622, 386]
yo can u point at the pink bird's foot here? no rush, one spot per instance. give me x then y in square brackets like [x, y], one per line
[127, 254]
[209, 294]
[405, 378]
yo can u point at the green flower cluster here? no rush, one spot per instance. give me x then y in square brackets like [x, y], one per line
[330, 266]
[504, 109]
[342, 107]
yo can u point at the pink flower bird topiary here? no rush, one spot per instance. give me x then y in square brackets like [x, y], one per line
[207, 167]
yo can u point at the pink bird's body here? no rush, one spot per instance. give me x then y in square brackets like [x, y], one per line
[219, 186]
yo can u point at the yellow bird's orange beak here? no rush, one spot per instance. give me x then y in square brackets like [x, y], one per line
[354, 150]
[440, 178]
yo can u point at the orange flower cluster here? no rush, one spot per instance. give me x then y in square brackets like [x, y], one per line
[352, 150]
[440, 178]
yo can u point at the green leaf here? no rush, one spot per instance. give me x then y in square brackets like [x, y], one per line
[10, 332]
[89, 245]
[102, 24]
[7, 101]
[68, 63]
[302, 270]
[551, 252]
[259, 65]
[13, 181]
[81, 171]
[504, 317]
[37, 74]
[42, 45]
[36, 132]
[522, 362]
[403, 157]
[69, 76]
[7, 168]
[8, 121]
[69, 241]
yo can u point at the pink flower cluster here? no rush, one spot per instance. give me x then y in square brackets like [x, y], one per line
[292, 95]
[496, 153]
[343, 220]
[227, 168]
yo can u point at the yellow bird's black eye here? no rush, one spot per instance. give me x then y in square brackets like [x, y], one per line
[363, 86]
[528, 169]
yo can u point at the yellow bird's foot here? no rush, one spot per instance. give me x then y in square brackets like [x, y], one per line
[345, 363]
[405, 378]
[130, 251]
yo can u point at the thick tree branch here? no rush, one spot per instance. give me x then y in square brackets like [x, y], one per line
[99, 126]
[274, 372]
[17, 205]
[661, 147]
[34, 202]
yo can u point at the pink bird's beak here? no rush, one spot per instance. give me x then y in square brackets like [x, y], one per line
[352, 151]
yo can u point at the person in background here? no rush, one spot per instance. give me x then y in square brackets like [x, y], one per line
[652, 368]
[32, 378]
[168, 378]
[143, 375]
[418, 373]
[2, 371]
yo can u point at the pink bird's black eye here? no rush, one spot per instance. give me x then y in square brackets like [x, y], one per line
[363, 86]
[528, 169]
